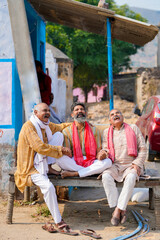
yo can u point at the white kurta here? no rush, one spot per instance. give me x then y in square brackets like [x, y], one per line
[121, 168]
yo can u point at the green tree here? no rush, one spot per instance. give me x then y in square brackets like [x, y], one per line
[89, 51]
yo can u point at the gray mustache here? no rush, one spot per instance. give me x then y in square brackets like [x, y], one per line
[47, 115]
[116, 117]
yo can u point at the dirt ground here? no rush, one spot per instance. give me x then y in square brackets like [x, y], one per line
[92, 214]
[87, 208]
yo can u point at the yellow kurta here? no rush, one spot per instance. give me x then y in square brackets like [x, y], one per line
[67, 132]
[30, 143]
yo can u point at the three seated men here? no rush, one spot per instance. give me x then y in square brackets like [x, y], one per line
[41, 144]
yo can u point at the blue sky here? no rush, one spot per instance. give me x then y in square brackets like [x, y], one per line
[148, 4]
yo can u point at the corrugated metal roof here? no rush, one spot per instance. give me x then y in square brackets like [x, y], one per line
[93, 19]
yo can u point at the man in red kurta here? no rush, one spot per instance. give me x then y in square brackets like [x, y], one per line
[44, 83]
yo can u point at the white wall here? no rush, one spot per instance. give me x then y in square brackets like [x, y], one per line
[58, 86]
[61, 100]
[6, 41]
[7, 135]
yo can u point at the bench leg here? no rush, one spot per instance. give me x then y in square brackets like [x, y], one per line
[11, 193]
[151, 199]
[157, 206]
[10, 208]
[27, 194]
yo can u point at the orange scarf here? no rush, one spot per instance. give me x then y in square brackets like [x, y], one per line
[131, 142]
[90, 146]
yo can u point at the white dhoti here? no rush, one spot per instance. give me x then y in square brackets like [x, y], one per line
[69, 164]
[49, 193]
[43, 182]
[41, 164]
[113, 197]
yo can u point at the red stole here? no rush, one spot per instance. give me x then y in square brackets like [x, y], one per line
[90, 146]
[131, 142]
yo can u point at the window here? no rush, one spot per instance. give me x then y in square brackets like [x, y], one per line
[145, 108]
[151, 106]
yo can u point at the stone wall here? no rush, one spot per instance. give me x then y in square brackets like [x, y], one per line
[7, 158]
[124, 86]
[147, 84]
[65, 72]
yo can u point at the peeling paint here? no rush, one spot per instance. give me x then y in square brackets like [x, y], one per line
[7, 158]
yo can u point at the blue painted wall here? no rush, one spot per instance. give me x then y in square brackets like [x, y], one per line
[16, 104]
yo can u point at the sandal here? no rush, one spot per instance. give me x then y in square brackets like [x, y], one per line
[115, 221]
[49, 228]
[65, 229]
[123, 217]
[91, 233]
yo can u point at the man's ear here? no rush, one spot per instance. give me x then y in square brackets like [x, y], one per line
[72, 115]
[35, 112]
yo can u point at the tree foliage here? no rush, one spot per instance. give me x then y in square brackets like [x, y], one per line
[89, 51]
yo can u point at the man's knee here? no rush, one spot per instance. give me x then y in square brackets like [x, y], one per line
[107, 162]
[106, 178]
[57, 139]
[59, 135]
[50, 187]
[131, 178]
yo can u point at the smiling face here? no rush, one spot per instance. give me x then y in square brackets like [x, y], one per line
[79, 113]
[116, 118]
[42, 111]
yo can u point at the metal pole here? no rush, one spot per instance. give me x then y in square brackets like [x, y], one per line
[110, 74]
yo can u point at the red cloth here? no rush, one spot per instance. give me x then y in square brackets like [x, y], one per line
[90, 146]
[131, 142]
[45, 87]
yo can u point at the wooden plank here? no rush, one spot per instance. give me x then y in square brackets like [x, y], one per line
[79, 15]
[94, 182]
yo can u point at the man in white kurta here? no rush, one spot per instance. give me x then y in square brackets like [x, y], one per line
[124, 168]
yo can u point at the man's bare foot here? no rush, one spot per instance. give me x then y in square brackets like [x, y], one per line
[69, 174]
[53, 171]
[115, 220]
[123, 216]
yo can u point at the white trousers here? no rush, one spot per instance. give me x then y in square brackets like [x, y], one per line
[114, 199]
[50, 197]
[69, 164]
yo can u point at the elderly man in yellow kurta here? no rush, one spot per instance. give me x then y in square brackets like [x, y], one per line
[38, 139]
[125, 145]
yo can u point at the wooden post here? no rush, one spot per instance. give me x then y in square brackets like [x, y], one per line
[27, 194]
[11, 192]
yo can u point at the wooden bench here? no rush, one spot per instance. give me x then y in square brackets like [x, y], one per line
[152, 183]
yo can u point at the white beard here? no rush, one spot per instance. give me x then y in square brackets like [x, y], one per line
[80, 119]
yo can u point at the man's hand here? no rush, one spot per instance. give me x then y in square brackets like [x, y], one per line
[138, 169]
[67, 151]
[102, 155]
